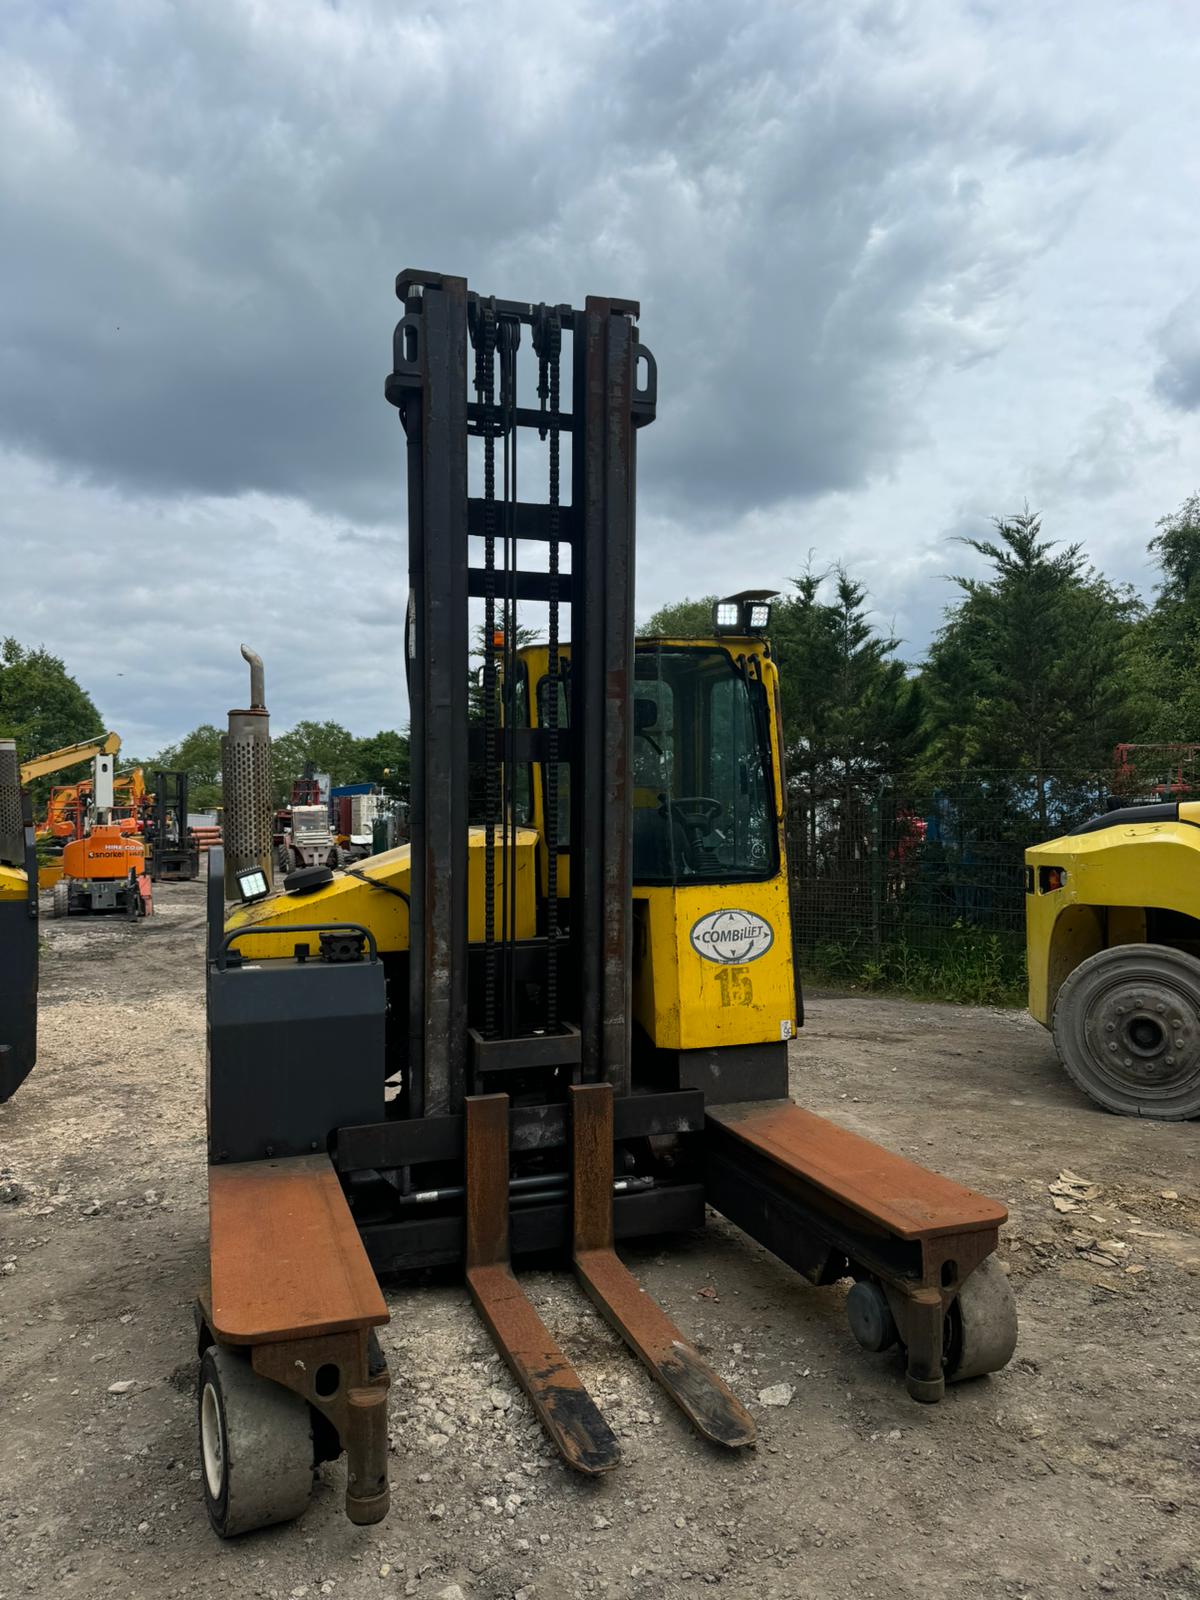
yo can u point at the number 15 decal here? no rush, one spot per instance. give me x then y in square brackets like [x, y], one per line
[736, 987]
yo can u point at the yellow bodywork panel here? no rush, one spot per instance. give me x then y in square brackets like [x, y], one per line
[349, 899]
[14, 885]
[1112, 877]
[712, 964]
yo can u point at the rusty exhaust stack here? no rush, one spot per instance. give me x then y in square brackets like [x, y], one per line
[246, 779]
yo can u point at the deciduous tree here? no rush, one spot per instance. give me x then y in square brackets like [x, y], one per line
[42, 706]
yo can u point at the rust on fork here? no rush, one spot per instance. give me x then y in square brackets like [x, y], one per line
[564, 1407]
[671, 1359]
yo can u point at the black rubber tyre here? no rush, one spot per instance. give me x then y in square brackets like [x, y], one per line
[256, 1445]
[870, 1316]
[283, 862]
[61, 906]
[1126, 1026]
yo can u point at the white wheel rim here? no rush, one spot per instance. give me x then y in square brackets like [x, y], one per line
[212, 1441]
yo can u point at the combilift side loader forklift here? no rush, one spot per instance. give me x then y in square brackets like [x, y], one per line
[561, 1027]
[18, 927]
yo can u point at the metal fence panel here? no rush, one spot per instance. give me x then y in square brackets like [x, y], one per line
[916, 882]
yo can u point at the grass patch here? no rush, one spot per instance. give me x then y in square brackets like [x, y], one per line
[962, 964]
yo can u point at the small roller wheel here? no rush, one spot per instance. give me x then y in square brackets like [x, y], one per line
[981, 1332]
[62, 899]
[870, 1317]
[256, 1445]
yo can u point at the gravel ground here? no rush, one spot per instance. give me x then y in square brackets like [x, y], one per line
[1074, 1472]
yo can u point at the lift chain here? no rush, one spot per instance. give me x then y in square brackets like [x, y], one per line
[508, 343]
[549, 345]
[483, 332]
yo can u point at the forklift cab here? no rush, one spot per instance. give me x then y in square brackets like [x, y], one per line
[709, 854]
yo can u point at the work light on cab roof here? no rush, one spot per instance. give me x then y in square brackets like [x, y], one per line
[747, 614]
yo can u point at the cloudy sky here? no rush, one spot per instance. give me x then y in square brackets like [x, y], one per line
[903, 266]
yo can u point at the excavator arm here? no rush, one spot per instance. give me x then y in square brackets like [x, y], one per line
[69, 756]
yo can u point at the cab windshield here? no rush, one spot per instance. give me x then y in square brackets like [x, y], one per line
[701, 769]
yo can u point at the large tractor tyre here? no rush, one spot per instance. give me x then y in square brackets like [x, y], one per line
[1127, 1029]
[61, 906]
[256, 1445]
[283, 861]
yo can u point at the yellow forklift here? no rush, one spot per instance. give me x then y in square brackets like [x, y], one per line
[18, 927]
[560, 1017]
[19, 899]
[1113, 944]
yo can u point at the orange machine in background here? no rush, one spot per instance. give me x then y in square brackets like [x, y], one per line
[66, 810]
[105, 870]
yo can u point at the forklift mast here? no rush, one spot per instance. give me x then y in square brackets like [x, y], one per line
[455, 382]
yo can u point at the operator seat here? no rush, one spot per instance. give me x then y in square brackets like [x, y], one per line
[659, 843]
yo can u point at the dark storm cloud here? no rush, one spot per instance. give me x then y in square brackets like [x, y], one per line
[1178, 377]
[901, 262]
[205, 208]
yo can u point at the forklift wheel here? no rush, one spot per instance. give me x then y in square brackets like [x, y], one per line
[982, 1331]
[62, 899]
[1126, 1027]
[256, 1445]
[870, 1316]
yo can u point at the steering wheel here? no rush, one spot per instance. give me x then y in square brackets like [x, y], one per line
[695, 813]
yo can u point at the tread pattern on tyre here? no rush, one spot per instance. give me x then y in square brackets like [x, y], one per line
[1132, 965]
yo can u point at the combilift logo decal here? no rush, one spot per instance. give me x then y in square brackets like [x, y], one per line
[732, 938]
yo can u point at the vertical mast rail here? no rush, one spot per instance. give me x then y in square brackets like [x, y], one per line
[429, 384]
[549, 330]
[602, 683]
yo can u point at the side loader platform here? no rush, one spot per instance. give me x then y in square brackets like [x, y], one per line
[291, 1289]
[831, 1203]
[286, 1259]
